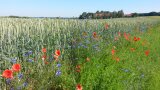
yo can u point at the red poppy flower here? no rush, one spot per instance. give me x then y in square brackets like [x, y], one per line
[132, 49]
[78, 66]
[46, 62]
[44, 50]
[119, 34]
[57, 52]
[44, 57]
[94, 34]
[79, 87]
[116, 38]
[55, 57]
[126, 36]
[113, 51]
[78, 70]
[106, 26]
[136, 39]
[16, 67]
[7, 74]
[117, 59]
[147, 52]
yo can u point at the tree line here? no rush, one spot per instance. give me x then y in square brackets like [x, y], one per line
[114, 14]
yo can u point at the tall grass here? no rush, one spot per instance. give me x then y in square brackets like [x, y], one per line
[75, 40]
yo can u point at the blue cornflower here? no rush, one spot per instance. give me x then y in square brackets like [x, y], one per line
[30, 52]
[126, 70]
[19, 88]
[80, 44]
[142, 75]
[58, 73]
[8, 81]
[13, 60]
[85, 46]
[69, 46]
[74, 46]
[26, 54]
[25, 84]
[85, 37]
[59, 65]
[20, 76]
[94, 46]
[12, 88]
[87, 41]
[30, 60]
[51, 58]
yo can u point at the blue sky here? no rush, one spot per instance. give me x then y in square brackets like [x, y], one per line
[69, 8]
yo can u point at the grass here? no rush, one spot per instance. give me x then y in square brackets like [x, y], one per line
[85, 59]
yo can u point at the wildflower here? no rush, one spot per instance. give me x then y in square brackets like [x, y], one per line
[16, 67]
[55, 57]
[87, 41]
[78, 70]
[30, 60]
[44, 57]
[7, 74]
[132, 49]
[57, 53]
[8, 81]
[126, 36]
[142, 75]
[78, 67]
[106, 26]
[26, 54]
[116, 38]
[58, 65]
[117, 59]
[79, 87]
[147, 52]
[136, 39]
[13, 60]
[30, 52]
[126, 70]
[46, 62]
[20, 76]
[119, 34]
[44, 50]
[58, 73]
[25, 84]
[19, 88]
[85, 46]
[94, 34]
[50, 58]
[12, 88]
[113, 51]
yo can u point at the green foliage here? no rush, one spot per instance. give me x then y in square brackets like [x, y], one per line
[98, 68]
[102, 15]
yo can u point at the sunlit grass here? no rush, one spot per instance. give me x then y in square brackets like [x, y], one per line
[86, 56]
